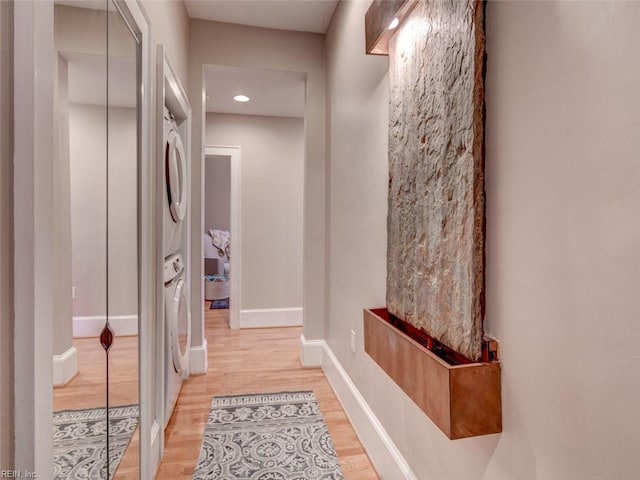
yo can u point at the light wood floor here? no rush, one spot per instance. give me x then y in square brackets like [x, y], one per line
[240, 361]
[252, 361]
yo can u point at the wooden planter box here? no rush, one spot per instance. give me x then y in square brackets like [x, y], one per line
[462, 400]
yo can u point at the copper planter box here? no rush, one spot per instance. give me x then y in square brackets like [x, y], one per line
[462, 400]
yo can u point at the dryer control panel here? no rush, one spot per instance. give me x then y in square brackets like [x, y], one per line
[173, 266]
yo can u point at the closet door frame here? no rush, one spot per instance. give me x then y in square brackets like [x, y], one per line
[33, 279]
[150, 432]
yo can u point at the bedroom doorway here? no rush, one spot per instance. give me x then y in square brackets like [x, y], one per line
[221, 235]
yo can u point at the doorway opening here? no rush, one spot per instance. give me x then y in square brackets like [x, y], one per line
[221, 235]
[267, 124]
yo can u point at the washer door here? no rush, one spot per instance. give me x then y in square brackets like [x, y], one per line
[180, 327]
[176, 175]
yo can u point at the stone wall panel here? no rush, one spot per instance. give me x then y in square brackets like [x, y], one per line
[435, 260]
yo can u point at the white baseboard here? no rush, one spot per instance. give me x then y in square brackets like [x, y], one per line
[122, 325]
[65, 367]
[311, 352]
[385, 456]
[198, 359]
[271, 317]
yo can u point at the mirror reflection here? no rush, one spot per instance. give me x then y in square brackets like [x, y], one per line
[96, 244]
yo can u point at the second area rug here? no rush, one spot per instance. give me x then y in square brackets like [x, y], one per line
[276, 436]
[80, 441]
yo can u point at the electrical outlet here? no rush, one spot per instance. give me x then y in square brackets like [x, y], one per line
[73, 293]
[353, 341]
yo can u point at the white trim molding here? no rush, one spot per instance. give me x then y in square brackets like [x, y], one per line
[65, 367]
[198, 363]
[156, 440]
[385, 456]
[311, 352]
[91, 326]
[271, 317]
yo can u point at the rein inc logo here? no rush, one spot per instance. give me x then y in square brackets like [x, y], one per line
[17, 474]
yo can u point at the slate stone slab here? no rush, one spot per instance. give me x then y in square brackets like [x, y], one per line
[435, 255]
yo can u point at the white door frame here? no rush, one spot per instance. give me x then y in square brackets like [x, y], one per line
[233, 152]
[33, 232]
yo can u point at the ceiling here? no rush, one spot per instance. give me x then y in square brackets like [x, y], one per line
[272, 92]
[300, 15]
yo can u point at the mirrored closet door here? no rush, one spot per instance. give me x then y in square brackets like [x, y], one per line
[122, 248]
[96, 251]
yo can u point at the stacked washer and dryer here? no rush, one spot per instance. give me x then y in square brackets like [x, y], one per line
[176, 291]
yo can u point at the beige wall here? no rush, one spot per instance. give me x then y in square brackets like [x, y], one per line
[88, 210]
[563, 240]
[62, 306]
[82, 30]
[242, 46]
[170, 27]
[272, 193]
[217, 193]
[79, 30]
[6, 234]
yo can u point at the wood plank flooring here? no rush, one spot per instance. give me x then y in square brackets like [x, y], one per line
[240, 361]
[252, 361]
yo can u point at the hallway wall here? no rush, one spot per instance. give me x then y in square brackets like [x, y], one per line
[88, 207]
[62, 302]
[217, 195]
[563, 240]
[272, 194]
[170, 27]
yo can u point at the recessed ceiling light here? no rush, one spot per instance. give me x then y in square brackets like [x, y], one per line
[241, 98]
[394, 23]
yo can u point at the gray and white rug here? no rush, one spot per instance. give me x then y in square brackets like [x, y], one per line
[278, 436]
[80, 445]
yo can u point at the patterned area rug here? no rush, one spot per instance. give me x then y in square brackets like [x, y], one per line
[278, 436]
[219, 304]
[80, 441]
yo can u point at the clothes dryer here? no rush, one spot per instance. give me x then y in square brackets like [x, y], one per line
[176, 185]
[177, 331]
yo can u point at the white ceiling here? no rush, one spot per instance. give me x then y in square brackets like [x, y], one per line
[273, 92]
[300, 15]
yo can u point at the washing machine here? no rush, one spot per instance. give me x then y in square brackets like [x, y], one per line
[176, 182]
[177, 331]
